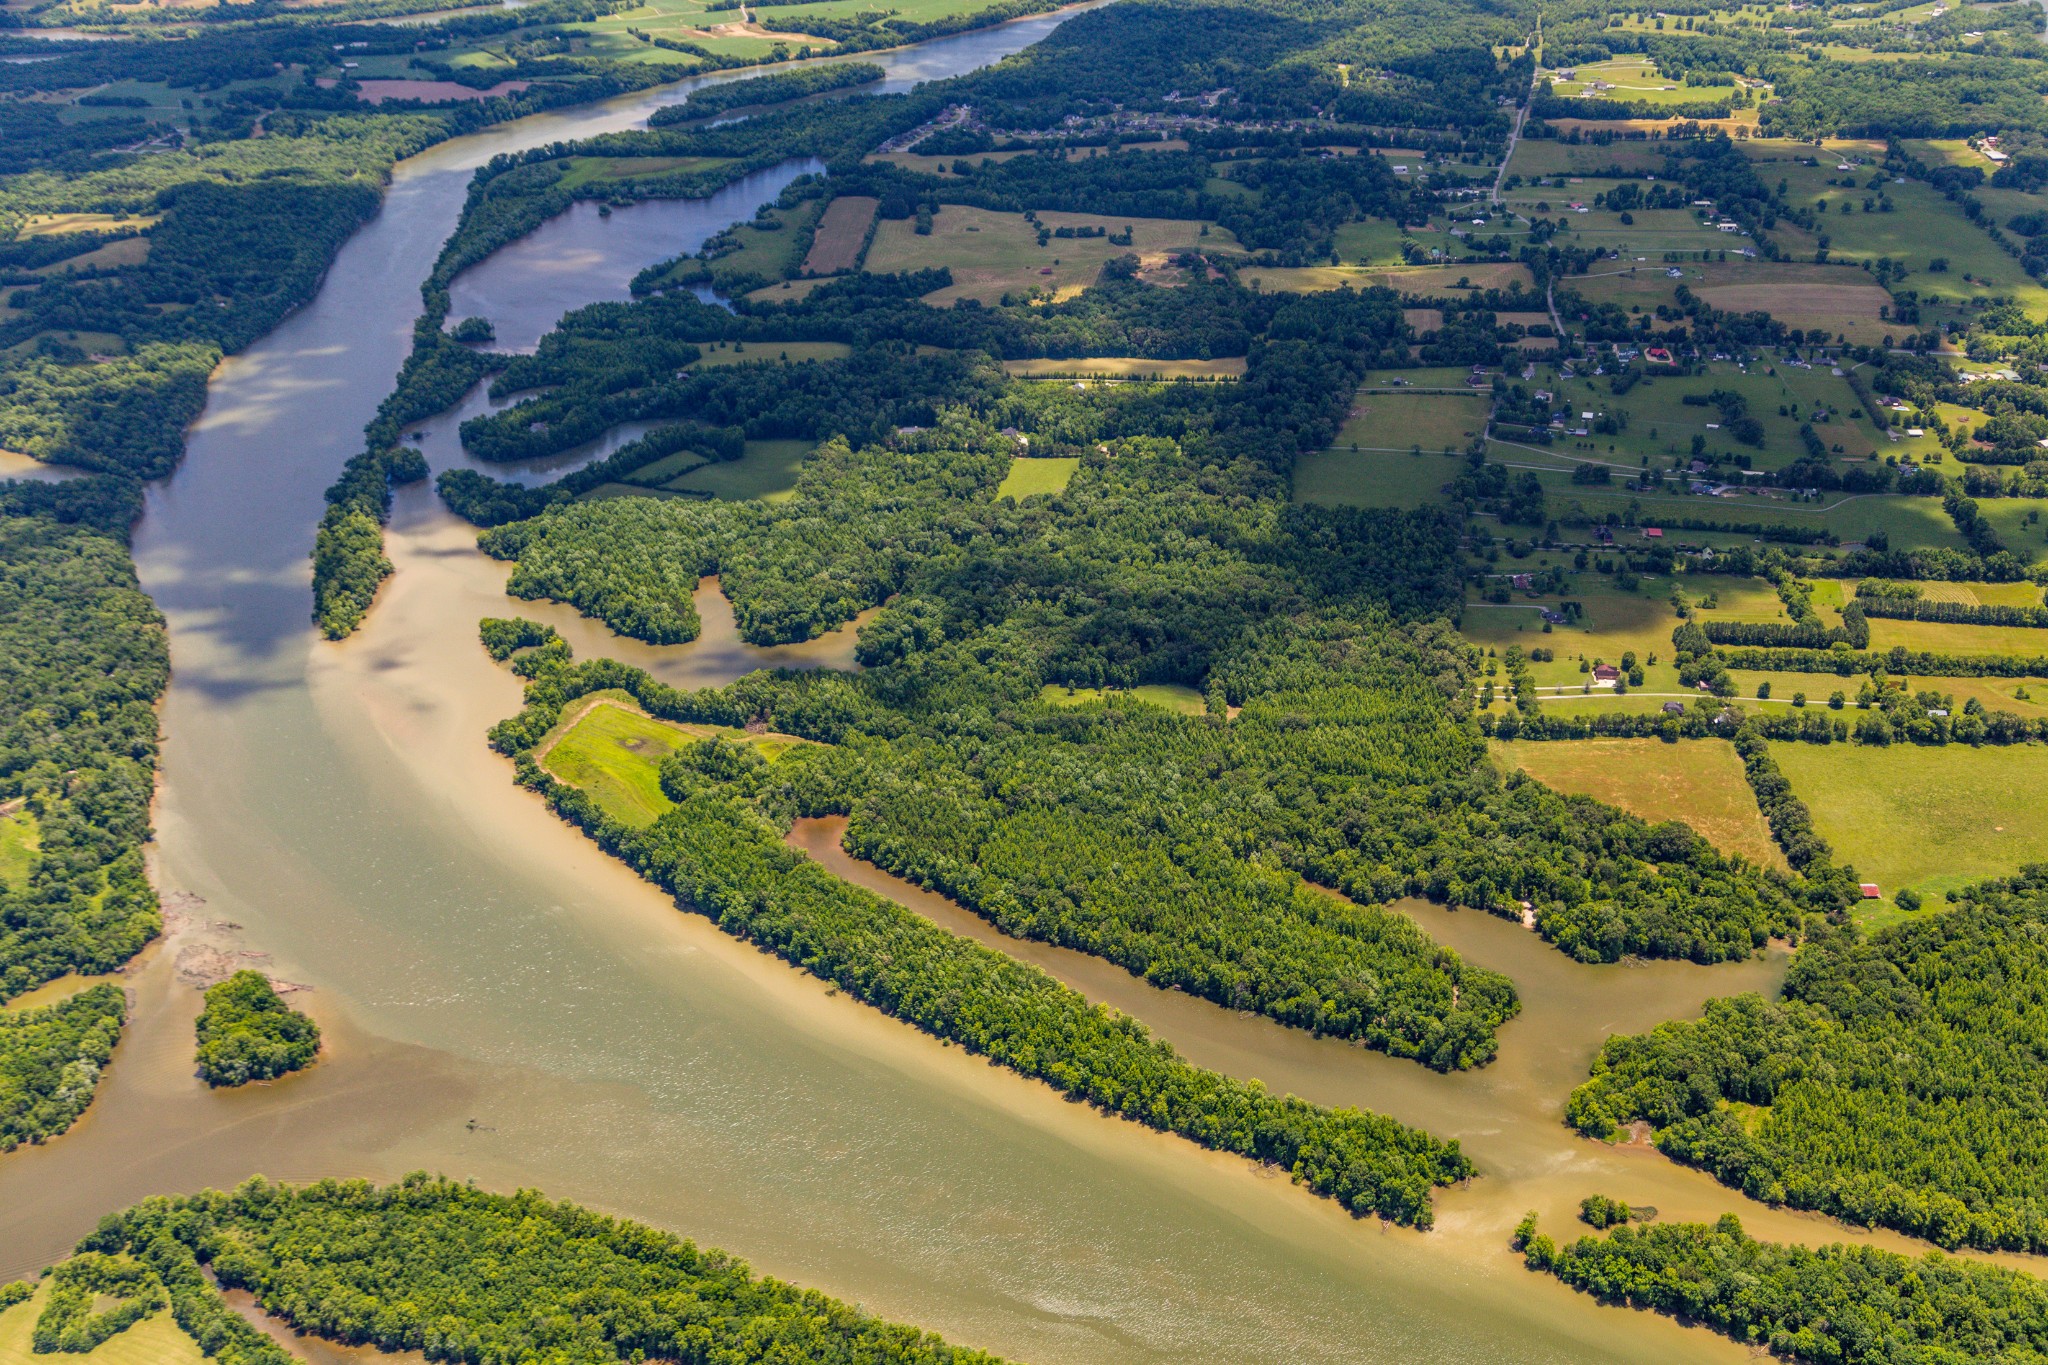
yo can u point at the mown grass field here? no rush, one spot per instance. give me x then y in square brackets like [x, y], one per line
[1371, 478]
[1698, 781]
[156, 1340]
[1931, 819]
[1841, 297]
[841, 233]
[1402, 421]
[587, 170]
[1126, 367]
[767, 471]
[1944, 637]
[1549, 157]
[1422, 281]
[1030, 478]
[992, 254]
[1171, 696]
[613, 752]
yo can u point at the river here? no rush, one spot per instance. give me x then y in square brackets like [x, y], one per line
[504, 1002]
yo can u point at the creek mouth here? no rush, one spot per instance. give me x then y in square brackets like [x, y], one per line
[503, 1002]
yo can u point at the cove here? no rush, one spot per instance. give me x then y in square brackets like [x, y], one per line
[505, 1003]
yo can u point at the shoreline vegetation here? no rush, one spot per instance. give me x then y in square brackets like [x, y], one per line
[400, 1268]
[721, 857]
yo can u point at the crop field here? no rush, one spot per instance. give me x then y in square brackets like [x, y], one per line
[1698, 781]
[767, 471]
[1932, 819]
[1030, 478]
[1422, 281]
[1125, 367]
[1371, 478]
[841, 234]
[770, 352]
[992, 254]
[1403, 421]
[1634, 80]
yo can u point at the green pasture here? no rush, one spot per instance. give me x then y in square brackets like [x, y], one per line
[1932, 819]
[772, 352]
[1170, 696]
[19, 841]
[767, 471]
[156, 1340]
[587, 170]
[1402, 421]
[1371, 478]
[1030, 478]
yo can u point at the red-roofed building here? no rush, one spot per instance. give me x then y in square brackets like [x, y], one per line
[1653, 533]
[1870, 891]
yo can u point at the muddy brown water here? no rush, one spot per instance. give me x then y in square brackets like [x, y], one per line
[502, 1002]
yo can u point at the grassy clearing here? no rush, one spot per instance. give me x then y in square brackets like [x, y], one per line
[1841, 298]
[1613, 623]
[59, 224]
[1030, 478]
[1547, 156]
[841, 234]
[587, 170]
[1171, 696]
[1944, 637]
[1928, 819]
[127, 251]
[767, 471]
[1126, 367]
[992, 254]
[613, 751]
[156, 1340]
[19, 840]
[1369, 478]
[1377, 242]
[1698, 781]
[773, 352]
[1426, 281]
[1402, 421]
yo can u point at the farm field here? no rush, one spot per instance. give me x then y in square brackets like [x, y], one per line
[1908, 522]
[59, 224]
[1944, 637]
[1634, 80]
[1030, 478]
[1840, 299]
[1371, 478]
[1698, 781]
[1422, 281]
[992, 254]
[1377, 242]
[1403, 421]
[767, 471]
[1921, 227]
[1614, 623]
[1929, 819]
[1549, 157]
[1125, 367]
[841, 234]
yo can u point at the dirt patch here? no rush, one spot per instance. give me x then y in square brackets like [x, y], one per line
[842, 232]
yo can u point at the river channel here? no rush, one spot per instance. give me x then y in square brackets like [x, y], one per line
[505, 1003]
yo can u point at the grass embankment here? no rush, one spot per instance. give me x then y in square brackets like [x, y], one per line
[1698, 781]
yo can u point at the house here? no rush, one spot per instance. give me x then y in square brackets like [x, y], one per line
[1522, 580]
[1653, 533]
[1606, 673]
[1674, 708]
[1869, 890]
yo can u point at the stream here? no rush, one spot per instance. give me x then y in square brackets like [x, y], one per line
[503, 1002]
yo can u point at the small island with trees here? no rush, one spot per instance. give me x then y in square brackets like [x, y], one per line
[247, 1033]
